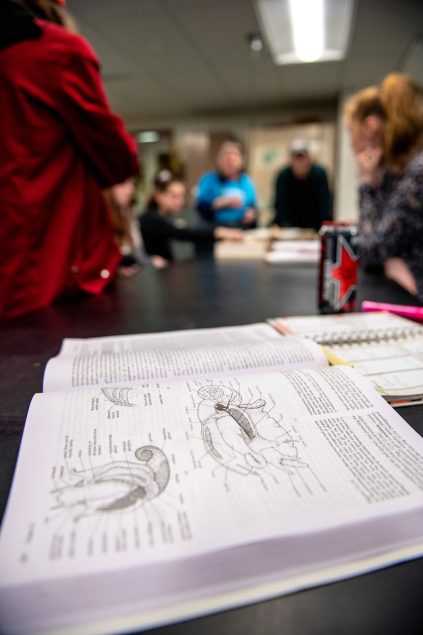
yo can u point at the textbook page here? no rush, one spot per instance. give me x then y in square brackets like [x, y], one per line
[160, 357]
[132, 480]
[174, 340]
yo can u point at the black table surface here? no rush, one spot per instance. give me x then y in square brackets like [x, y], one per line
[199, 295]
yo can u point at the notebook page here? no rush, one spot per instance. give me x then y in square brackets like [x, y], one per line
[347, 327]
[395, 368]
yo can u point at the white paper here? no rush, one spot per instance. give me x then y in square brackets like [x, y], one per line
[281, 257]
[299, 246]
[394, 368]
[350, 327]
[178, 355]
[286, 251]
[173, 340]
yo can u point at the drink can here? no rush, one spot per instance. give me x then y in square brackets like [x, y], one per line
[338, 267]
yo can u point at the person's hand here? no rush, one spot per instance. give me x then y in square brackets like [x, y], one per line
[397, 269]
[128, 271]
[249, 216]
[369, 164]
[158, 262]
[226, 233]
[233, 202]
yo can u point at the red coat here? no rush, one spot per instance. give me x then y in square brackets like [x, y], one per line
[59, 146]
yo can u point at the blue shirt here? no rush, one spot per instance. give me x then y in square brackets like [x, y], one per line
[212, 186]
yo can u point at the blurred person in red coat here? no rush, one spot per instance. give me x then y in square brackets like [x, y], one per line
[60, 147]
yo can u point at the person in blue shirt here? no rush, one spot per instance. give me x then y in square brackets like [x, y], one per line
[227, 196]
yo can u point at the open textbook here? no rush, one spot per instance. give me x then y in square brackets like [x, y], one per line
[386, 348]
[166, 480]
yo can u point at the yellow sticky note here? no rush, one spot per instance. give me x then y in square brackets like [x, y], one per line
[335, 360]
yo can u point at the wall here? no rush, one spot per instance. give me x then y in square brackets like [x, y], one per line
[346, 182]
[267, 151]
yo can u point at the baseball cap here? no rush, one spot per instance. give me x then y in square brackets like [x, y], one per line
[299, 146]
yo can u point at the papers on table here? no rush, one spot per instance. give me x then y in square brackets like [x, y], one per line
[287, 251]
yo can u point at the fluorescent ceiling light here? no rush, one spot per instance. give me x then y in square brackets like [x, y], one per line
[149, 136]
[305, 30]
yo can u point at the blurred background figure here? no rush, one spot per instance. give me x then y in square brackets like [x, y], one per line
[171, 161]
[302, 195]
[386, 129]
[158, 228]
[121, 201]
[61, 146]
[227, 196]
[54, 11]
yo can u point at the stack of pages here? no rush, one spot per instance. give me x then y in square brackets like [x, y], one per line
[293, 251]
[254, 245]
[166, 476]
[273, 244]
[385, 348]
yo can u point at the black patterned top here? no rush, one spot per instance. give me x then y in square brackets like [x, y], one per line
[391, 219]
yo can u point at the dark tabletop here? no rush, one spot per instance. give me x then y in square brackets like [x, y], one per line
[199, 295]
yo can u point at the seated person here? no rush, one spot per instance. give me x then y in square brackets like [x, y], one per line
[302, 196]
[227, 196]
[386, 124]
[158, 229]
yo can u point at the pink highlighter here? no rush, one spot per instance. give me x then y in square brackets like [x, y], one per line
[410, 312]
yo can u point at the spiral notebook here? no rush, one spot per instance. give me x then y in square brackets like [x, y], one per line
[386, 348]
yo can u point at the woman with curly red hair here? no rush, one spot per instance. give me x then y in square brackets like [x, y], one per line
[386, 128]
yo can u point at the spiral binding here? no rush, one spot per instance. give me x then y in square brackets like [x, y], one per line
[367, 337]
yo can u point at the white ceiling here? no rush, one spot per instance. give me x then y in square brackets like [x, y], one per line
[170, 60]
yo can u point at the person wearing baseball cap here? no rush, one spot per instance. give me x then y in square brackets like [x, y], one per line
[61, 147]
[299, 147]
[302, 195]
